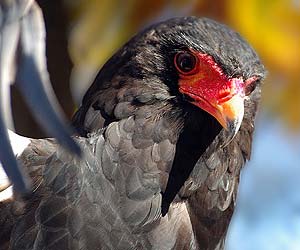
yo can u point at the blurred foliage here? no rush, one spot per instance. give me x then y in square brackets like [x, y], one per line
[100, 27]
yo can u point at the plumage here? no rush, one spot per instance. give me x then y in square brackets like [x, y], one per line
[156, 173]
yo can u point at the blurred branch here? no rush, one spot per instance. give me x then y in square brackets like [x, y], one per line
[59, 67]
[23, 63]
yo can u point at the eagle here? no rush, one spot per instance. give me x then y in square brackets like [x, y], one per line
[164, 130]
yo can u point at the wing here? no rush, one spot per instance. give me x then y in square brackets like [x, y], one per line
[13, 206]
[110, 199]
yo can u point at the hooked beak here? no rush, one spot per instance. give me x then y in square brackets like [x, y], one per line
[212, 91]
[230, 115]
[229, 112]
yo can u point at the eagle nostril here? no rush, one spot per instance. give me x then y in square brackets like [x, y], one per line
[224, 96]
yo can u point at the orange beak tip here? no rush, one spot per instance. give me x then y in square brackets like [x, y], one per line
[230, 115]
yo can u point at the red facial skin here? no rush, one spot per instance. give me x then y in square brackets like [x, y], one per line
[211, 89]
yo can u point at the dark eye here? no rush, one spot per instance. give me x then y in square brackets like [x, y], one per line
[250, 88]
[185, 62]
[251, 84]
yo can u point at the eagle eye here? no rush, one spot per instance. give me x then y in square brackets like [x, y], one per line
[251, 84]
[185, 62]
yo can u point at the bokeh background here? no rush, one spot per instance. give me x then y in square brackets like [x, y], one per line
[83, 34]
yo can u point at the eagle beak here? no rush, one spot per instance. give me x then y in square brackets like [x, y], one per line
[230, 115]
